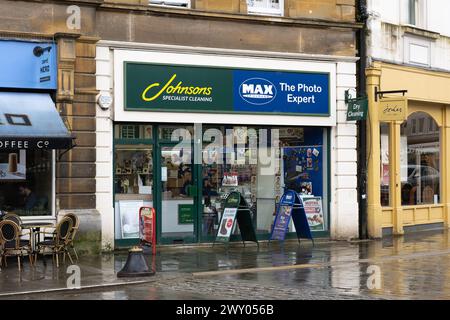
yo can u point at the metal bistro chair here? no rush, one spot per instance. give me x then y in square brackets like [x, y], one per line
[59, 241]
[73, 231]
[12, 244]
[15, 218]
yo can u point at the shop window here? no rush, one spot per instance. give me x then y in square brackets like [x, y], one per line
[269, 7]
[133, 183]
[171, 3]
[26, 182]
[384, 162]
[175, 133]
[234, 159]
[132, 131]
[420, 162]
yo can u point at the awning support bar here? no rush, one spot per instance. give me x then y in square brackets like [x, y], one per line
[65, 151]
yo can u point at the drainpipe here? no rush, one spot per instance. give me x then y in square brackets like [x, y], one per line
[362, 16]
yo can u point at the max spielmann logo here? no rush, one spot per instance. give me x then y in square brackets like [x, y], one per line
[257, 91]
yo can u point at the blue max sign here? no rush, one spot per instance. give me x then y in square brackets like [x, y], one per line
[281, 92]
[28, 65]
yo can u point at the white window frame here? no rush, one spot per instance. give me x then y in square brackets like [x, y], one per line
[266, 11]
[420, 13]
[420, 42]
[171, 3]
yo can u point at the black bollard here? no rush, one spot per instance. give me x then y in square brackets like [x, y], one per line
[136, 266]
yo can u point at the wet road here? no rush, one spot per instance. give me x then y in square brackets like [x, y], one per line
[410, 267]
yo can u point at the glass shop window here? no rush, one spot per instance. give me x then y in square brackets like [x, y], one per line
[133, 131]
[26, 182]
[384, 162]
[420, 161]
[260, 163]
[133, 176]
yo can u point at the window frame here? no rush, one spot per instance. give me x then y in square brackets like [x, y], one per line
[188, 4]
[417, 13]
[266, 11]
[419, 167]
[53, 208]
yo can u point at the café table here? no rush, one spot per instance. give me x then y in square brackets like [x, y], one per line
[35, 228]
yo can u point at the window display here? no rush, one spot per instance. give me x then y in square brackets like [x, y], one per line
[133, 170]
[258, 162]
[384, 162]
[420, 161]
[26, 186]
[300, 167]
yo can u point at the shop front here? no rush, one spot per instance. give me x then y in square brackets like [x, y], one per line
[189, 129]
[30, 129]
[408, 159]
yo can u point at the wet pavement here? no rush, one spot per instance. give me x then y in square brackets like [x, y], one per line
[415, 266]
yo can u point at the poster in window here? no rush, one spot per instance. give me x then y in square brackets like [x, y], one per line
[129, 218]
[13, 165]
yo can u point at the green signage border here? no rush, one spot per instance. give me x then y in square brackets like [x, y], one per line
[227, 107]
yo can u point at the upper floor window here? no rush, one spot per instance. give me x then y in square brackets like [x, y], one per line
[172, 3]
[270, 7]
[417, 13]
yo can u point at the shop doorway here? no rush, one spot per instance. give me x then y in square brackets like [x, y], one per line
[177, 193]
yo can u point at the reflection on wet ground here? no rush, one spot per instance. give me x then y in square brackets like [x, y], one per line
[415, 266]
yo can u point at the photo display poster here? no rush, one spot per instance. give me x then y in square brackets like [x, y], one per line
[314, 213]
[303, 170]
[129, 218]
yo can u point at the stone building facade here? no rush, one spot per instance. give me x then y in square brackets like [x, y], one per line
[89, 33]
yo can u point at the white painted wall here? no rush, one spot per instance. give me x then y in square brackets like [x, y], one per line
[344, 209]
[104, 195]
[389, 41]
[344, 202]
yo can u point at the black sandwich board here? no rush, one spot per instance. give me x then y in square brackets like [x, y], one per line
[236, 209]
[290, 205]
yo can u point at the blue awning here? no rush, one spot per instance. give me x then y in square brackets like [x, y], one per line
[31, 121]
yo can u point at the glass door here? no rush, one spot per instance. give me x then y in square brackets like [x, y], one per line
[178, 194]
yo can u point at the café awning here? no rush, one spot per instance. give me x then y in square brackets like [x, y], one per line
[31, 121]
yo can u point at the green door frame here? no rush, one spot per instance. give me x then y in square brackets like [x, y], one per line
[158, 200]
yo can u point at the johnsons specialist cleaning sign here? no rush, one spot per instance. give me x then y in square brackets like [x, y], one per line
[150, 87]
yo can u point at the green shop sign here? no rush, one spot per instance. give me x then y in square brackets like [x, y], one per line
[185, 214]
[357, 109]
[155, 87]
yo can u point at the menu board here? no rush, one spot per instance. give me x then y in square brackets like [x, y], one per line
[146, 225]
